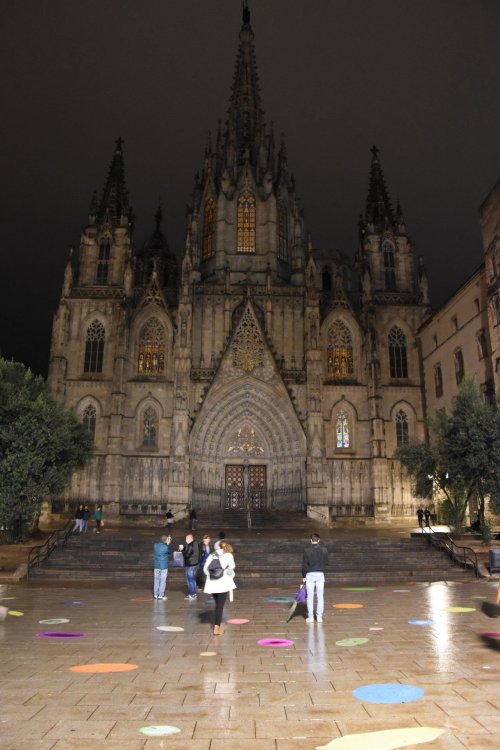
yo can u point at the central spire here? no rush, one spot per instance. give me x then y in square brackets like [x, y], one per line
[245, 115]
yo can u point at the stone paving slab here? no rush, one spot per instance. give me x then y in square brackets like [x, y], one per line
[229, 692]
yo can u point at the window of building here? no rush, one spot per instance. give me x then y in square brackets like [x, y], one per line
[103, 260]
[398, 362]
[342, 430]
[151, 357]
[454, 323]
[438, 381]
[459, 366]
[435, 340]
[476, 304]
[402, 435]
[282, 233]
[482, 344]
[94, 347]
[389, 266]
[339, 355]
[496, 308]
[245, 235]
[89, 418]
[149, 428]
[208, 240]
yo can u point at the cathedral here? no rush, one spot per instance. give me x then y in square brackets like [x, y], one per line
[259, 373]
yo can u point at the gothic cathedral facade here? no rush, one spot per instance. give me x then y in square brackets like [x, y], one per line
[262, 373]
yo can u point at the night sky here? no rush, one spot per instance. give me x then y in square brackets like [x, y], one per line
[418, 78]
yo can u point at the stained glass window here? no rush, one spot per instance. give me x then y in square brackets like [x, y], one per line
[402, 436]
[389, 267]
[89, 418]
[151, 358]
[342, 430]
[282, 233]
[149, 428]
[94, 347]
[208, 241]
[397, 353]
[339, 357]
[245, 240]
[103, 260]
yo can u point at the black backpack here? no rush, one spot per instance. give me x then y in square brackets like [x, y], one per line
[215, 569]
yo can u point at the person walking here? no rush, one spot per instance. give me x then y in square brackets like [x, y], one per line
[222, 586]
[98, 518]
[86, 518]
[427, 515]
[170, 519]
[161, 551]
[314, 565]
[193, 518]
[78, 527]
[191, 553]
[420, 517]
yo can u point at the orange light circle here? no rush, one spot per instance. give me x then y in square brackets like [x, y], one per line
[91, 668]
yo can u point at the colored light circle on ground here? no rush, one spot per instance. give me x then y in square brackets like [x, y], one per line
[385, 739]
[458, 609]
[284, 599]
[423, 623]
[492, 635]
[401, 591]
[376, 628]
[388, 693]
[159, 731]
[54, 621]
[238, 621]
[352, 642]
[170, 628]
[208, 653]
[73, 604]
[101, 668]
[358, 588]
[60, 635]
[15, 613]
[347, 606]
[142, 599]
[275, 642]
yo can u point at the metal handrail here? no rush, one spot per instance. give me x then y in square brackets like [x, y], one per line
[457, 553]
[42, 552]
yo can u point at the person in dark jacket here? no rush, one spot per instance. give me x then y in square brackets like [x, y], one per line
[191, 552]
[161, 551]
[314, 564]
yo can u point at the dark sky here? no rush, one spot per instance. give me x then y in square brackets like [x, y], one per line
[421, 79]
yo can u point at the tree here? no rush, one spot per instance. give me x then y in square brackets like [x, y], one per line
[462, 461]
[41, 443]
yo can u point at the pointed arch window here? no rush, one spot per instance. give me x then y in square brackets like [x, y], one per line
[282, 233]
[103, 260]
[94, 347]
[389, 266]
[149, 428]
[339, 356]
[89, 418]
[246, 223]
[342, 431]
[402, 433]
[151, 356]
[398, 361]
[208, 239]
[438, 381]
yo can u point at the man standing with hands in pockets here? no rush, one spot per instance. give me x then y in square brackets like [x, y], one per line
[314, 564]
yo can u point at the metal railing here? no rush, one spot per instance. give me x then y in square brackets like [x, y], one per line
[138, 508]
[42, 552]
[218, 498]
[465, 556]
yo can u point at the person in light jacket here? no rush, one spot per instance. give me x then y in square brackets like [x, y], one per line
[220, 587]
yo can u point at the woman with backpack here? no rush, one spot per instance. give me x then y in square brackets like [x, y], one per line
[219, 570]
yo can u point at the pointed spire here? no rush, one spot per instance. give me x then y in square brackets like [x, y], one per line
[245, 110]
[378, 202]
[114, 201]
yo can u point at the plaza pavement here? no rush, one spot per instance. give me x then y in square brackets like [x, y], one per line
[229, 692]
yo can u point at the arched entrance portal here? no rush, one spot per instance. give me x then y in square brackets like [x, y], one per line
[248, 449]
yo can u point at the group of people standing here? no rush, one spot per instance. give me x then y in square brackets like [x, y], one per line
[199, 560]
[424, 513]
[82, 518]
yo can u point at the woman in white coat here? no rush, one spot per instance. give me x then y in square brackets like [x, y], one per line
[220, 587]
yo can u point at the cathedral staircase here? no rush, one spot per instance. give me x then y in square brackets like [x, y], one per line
[269, 556]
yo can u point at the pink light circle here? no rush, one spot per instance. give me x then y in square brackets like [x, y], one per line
[275, 642]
